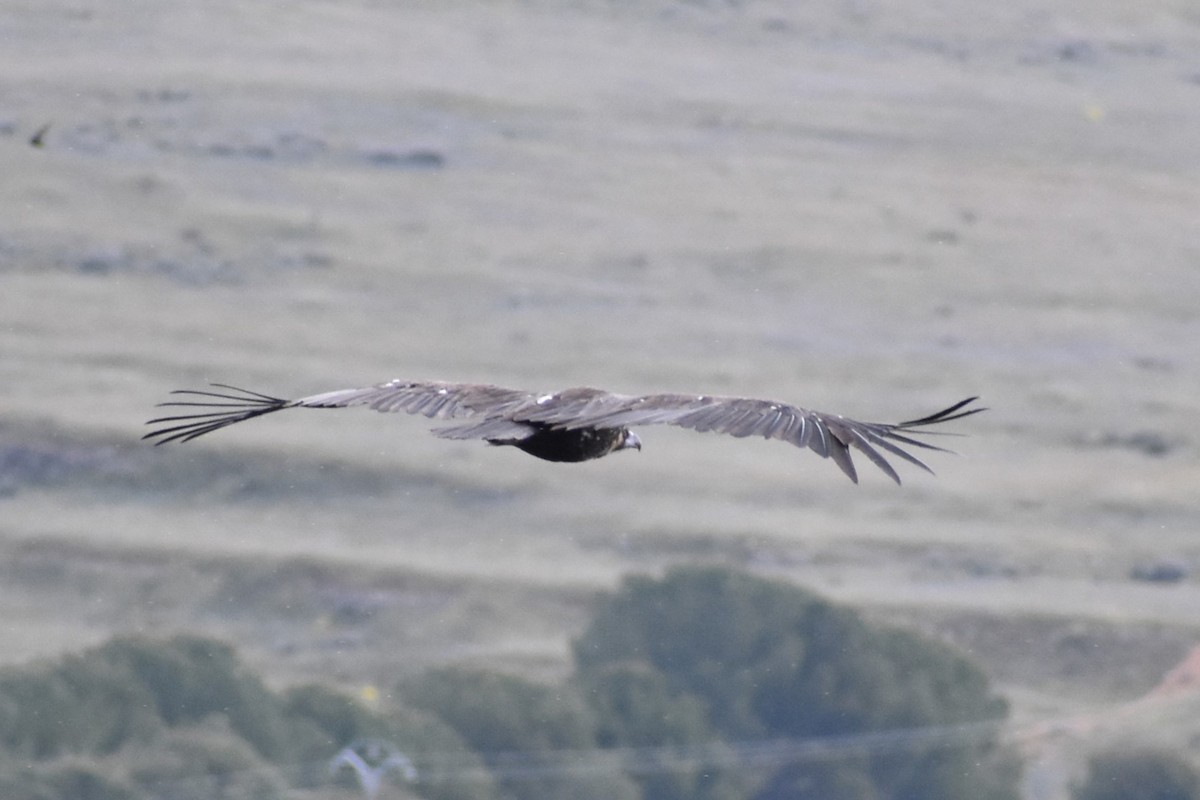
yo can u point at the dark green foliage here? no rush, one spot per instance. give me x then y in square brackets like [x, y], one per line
[190, 678]
[450, 769]
[72, 780]
[525, 731]
[700, 628]
[324, 721]
[171, 710]
[335, 714]
[845, 779]
[128, 690]
[1144, 774]
[769, 660]
[83, 705]
[635, 707]
[498, 713]
[204, 761]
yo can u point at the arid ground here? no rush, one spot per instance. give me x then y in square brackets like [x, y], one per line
[859, 207]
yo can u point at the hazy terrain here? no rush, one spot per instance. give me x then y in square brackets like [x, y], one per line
[844, 206]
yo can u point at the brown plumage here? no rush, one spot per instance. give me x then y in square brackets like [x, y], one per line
[575, 424]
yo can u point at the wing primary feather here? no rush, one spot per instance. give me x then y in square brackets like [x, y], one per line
[840, 454]
[240, 407]
[945, 415]
[819, 444]
[916, 442]
[264, 397]
[879, 441]
[861, 444]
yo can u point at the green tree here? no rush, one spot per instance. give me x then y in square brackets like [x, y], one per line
[771, 660]
[190, 677]
[844, 779]
[497, 713]
[634, 705]
[1145, 774]
[529, 734]
[81, 705]
[71, 779]
[324, 721]
[203, 761]
[660, 730]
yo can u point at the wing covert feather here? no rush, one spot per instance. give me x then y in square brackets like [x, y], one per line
[432, 399]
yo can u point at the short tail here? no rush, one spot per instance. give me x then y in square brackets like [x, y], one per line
[237, 407]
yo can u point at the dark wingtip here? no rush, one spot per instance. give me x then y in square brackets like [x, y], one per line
[892, 439]
[232, 408]
[945, 415]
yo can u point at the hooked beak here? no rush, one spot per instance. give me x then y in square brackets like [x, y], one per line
[632, 440]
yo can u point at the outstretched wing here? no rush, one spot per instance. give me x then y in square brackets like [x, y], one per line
[487, 412]
[827, 435]
[213, 410]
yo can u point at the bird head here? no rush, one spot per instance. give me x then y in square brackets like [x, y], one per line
[631, 440]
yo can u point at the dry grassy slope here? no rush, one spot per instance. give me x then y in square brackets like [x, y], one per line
[845, 207]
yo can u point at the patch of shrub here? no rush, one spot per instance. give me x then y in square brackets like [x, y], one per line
[497, 713]
[183, 718]
[71, 779]
[203, 761]
[324, 721]
[769, 660]
[1146, 774]
[521, 729]
[190, 677]
[635, 707]
[82, 705]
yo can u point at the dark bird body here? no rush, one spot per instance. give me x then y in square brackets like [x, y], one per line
[571, 446]
[574, 425]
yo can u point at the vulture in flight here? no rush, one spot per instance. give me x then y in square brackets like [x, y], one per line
[575, 424]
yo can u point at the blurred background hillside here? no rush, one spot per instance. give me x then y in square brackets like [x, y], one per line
[869, 210]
